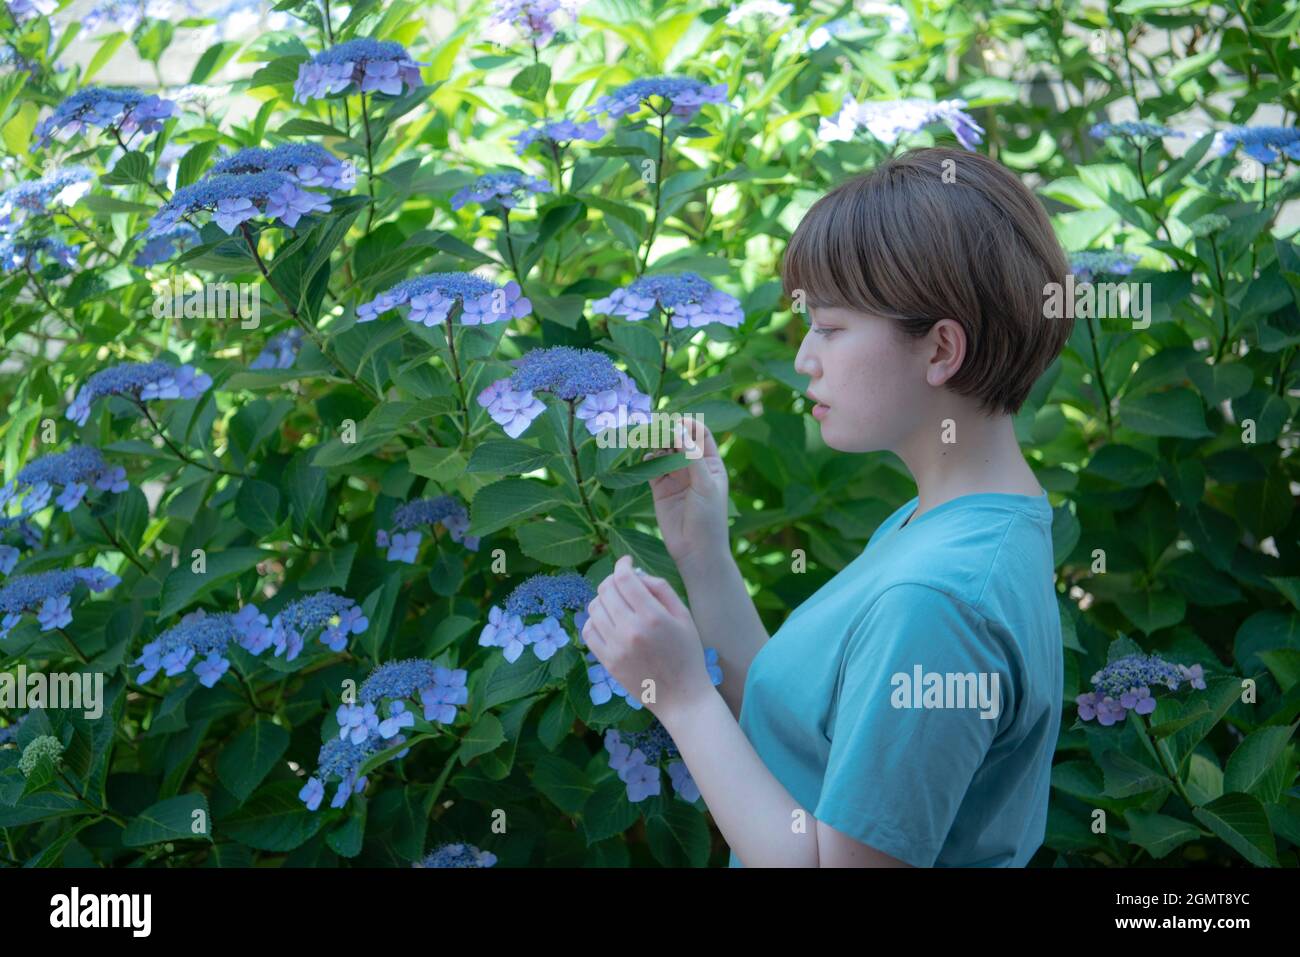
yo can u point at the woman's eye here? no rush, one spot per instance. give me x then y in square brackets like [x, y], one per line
[823, 332]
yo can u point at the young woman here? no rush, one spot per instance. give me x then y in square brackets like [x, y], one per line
[906, 713]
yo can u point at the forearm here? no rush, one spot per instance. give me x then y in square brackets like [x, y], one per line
[757, 816]
[726, 618]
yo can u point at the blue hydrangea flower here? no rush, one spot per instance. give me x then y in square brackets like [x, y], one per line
[161, 247]
[280, 351]
[48, 595]
[432, 298]
[559, 133]
[634, 758]
[22, 10]
[689, 299]
[126, 15]
[14, 529]
[550, 596]
[1262, 143]
[457, 855]
[1089, 263]
[75, 470]
[337, 615]
[604, 686]
[438, 689]
[609, 396]
[888, 120]
[64, 187]
[684, 96]
[377, 67]
[308, 164]
[1125, 684]
[140, 382]
[234, 198]
[339, 760]
[404, 544]
[207, 636]
[124, 110]
[683, 784]
[503, 189]
[1132, 131]
[18, 254]
[529, 20]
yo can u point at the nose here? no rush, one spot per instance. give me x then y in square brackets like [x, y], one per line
[806, 362]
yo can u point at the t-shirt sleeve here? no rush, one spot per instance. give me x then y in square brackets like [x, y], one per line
[897, 773]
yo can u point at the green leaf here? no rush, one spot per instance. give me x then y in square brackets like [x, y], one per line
[273, 819]
[1252, 761]
[532, 82]
[608, 811]
[562, 782]
[642, 472]
[507, 456]
[1175, 412]
[508, 502]
[1126, 776]
[555, 542]
[192, 163]
[1240, 820]
[440, 464]
[257, 506]
[175, 819]
[1159, 834]
[184, 586]
[679, 837]
[1150, 610]
[279, 71]
[213, 59]
[133, 168]
[247, 760]
[102, 55]
[486, 735]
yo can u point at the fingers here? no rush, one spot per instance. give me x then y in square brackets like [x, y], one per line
[612, 598]
[667, 597]
[593, 639]
[599, 620]
[630, 586]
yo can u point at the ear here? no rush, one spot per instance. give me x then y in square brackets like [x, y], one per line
[948, 350]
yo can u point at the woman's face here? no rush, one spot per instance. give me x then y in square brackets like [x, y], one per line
[869, 380]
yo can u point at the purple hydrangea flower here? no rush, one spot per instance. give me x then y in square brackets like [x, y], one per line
[438, 689]
[337, 616]
[690, 300]
[559, 133]
[140, 382]
[404, 544]
[624, 405]
[236, 198]
[358, 722]
[547, 637]
[888, 120]
[1262, 143]
[308, 165]
[604, 686]
[1089, 263]
[529, 19]
[684, 96]
[375, 66]
[433, 297]
[123, 110]
[1125, 684]
[549, 596]
[162, 247]
[448, 691]
[16, 254]
[48, 595]
[280, 351]
[204, 635]
[503, 189]
[504, 631]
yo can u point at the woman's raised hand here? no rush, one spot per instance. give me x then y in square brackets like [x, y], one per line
[691, 502]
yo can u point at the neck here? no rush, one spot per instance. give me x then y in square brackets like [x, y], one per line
[981, 454]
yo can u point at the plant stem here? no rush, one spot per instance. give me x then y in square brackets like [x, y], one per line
[1101, 379]
[178, 452]
[121, 548]
[67, 637]
[455, 369]
[654, 225]
[577, 474]
[370, 163]
[1223, 300]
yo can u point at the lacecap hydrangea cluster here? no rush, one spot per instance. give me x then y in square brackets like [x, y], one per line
[457, 855]
[1114, 262]
[16, 254]
[609, 397]
[235, 198]
[62, 187]
[559, 133]
[684, 96]
[1267, 144]
[402, 538]
[635, 755]
[307, 163]
[1125, 685]
[124, 110]
[689, 299]
[373, 66]
[887, 120]
[76, 471]
[203, 638]
[280, 351]
[507, 189]
[431, 299]
[49, 595]
[1132, 131]
[529, 19]
[385, 705]
[548, 597]
[140, 382]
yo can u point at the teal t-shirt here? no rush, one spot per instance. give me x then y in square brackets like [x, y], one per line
[913, 702]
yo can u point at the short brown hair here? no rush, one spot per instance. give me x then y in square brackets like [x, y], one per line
[907, 242]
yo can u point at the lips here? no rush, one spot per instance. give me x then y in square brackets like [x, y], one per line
[815, 399]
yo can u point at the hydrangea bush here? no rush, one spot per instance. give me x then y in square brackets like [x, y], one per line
[332, 556]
